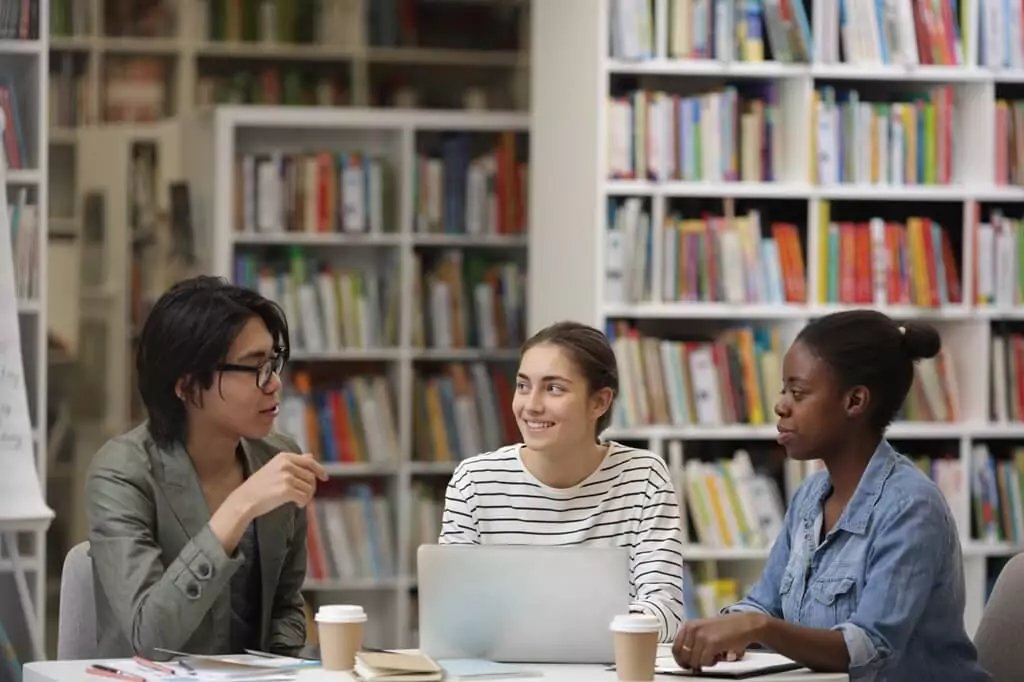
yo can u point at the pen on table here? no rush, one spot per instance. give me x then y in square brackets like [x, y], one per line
[107, 671]
[153, 665]
[187, 667]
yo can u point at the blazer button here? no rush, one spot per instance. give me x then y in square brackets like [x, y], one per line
[204, 570]
[192, 591]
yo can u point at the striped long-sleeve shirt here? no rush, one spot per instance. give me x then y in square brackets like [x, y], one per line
[629, 501]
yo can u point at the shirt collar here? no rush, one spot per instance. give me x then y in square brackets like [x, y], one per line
[858, 510]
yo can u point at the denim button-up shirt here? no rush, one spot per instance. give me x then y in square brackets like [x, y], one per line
[889, 575]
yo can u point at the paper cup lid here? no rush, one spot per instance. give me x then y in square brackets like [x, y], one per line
[635, 622]
[340, 613]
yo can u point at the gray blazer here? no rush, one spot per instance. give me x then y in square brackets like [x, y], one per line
[162, 578]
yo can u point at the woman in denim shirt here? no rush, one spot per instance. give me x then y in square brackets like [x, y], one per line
[867, 575]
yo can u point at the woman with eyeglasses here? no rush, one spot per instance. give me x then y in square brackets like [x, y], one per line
[196, 517]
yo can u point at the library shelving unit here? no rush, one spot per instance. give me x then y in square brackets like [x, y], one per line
[199, 52]
[23, 97]
[124, 61]
[395, 241]
[723, 189]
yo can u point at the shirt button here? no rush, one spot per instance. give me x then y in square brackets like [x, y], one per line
[192, 591]
[204, 570]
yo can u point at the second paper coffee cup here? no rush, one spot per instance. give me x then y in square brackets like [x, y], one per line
[340, 629]
[636, 646]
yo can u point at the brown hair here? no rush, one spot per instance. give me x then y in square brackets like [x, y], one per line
[590, 351]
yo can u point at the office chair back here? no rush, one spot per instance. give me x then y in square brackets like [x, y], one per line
[1002, 625]
[76, 628]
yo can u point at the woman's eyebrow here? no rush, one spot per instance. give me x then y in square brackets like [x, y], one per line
[255, 355]
[549, 377]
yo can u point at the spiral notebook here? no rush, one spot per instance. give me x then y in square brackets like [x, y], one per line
[753, 664]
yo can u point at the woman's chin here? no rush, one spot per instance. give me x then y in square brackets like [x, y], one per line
[798, 454]
[258, 430]
[538, 439]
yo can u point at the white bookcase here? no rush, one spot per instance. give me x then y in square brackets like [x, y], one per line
[25, 64]
[213, 143]
[574, 75]
[192, 53]
[194, 67]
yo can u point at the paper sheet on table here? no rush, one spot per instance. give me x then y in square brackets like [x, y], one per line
[262, 662]
[176, 672]
[752, 664]
[239, 667]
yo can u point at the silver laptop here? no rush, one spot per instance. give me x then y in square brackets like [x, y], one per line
[521, 604]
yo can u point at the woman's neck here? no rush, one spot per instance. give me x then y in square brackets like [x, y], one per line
[213, 454]
[565, 467]
[847, 464]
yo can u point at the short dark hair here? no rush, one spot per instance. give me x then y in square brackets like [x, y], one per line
[589, 350]
[868, 348]
[187, 333]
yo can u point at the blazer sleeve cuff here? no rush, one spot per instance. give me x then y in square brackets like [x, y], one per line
[205, 565]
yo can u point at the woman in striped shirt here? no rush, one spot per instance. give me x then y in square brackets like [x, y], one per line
[562, 485]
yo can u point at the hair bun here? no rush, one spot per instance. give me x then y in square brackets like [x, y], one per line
[921, 340]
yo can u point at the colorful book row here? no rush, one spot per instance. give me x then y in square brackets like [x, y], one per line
[734, 377]
[352, 422]
[462, 190]
[463, 410]
[468, 300]
[730, 135]
[328, 307]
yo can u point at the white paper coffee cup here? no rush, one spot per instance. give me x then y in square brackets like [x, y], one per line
[340, 628]
[636, 646]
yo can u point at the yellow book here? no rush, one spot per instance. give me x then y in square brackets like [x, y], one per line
[918, 264]
[727, 591]
[733, 500]
[750, 378]
[771, 378]
[640, 136]
[718, 508]
[699, 505]
[824, 215]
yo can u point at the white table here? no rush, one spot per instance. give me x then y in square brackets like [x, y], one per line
[74, 671]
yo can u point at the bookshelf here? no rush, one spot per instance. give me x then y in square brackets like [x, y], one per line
[396, 242]
[723, 220]
[120, 61]
[188, 54]
[24, 58]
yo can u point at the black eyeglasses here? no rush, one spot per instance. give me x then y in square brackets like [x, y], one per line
[263, 371]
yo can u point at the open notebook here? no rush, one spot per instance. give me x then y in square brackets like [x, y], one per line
[753, 664]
